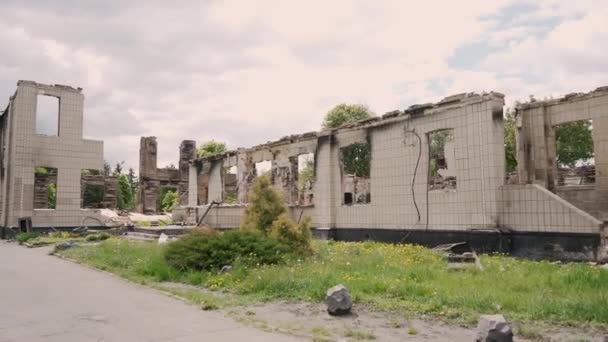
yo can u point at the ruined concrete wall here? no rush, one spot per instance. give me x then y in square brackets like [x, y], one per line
[109, 185]
[153, 179]
[478, 164]
[24, 150]
[536, 151]
[531, 207]
[401, 198]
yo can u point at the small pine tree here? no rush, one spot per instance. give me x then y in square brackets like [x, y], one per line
[265, 206]
[297, 236]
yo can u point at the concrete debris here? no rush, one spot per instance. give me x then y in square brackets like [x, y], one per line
[467, 260]
[163, 238]
[338, 301]
[64, 245]
[494, 328]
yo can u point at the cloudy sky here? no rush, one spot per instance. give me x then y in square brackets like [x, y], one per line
[246, 72]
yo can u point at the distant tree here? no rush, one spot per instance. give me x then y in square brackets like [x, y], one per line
[306, 175]
[356, 159]
[125, 195]
[132, 178]
[574, 142]
[118, 168]
[510, 129]
[346, 113]
[107, 168]
[210, 148]
[170, 201]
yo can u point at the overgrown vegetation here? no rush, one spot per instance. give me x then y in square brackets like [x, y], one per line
[265, 206]
[357, 159]
[346, 113]
[397, 278]
[51, 195]
[574, 142]
[267, 236]
[510, 129]
[209, 252]
[169, 201]
[210, 148]
[26, 236]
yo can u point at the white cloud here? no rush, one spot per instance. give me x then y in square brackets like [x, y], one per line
[248, 72]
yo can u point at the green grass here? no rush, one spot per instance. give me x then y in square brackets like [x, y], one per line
[396, 278]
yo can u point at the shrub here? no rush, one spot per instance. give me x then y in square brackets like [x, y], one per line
[203, 252]
[265, 206]
[297, 236]
[98, 237]
[26, 236]
[169, 201]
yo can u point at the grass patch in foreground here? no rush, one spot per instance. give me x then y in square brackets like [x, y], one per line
[402, 278]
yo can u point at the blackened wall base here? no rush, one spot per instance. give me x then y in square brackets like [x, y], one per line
[535, 245]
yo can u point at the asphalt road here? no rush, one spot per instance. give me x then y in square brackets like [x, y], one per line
[44, 298]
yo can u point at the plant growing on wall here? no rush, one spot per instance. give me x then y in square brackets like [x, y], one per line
[510, 129]
[210, 148]
[51, 195]
[345, 113]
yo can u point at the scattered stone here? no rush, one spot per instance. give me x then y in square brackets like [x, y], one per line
[163, 238]
[338, 301]
[494, 328]
[226, 269]
[64, 245]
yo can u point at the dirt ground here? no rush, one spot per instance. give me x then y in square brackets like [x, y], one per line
[311, 321]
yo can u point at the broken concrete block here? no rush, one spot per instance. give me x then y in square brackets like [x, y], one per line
[163, 238]
[338, 301]
[493, 328]
[64, 245]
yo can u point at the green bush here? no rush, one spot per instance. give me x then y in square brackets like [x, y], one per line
[265, 206]
[297, 236]
[204, 252]
[267, 214]
[26, 236]
[98, 237]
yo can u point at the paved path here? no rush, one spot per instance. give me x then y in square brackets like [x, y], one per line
[44, 298]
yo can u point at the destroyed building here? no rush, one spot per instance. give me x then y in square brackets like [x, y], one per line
[44, 160]
[431, 174]
[154, 182]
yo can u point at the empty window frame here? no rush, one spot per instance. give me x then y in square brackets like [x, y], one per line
[263, 168]
[45, 188]
[356, 164]
[92, 190]
[231, 185]
[574, 153]
[305, 179]
[47, 115]
[442, 160]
